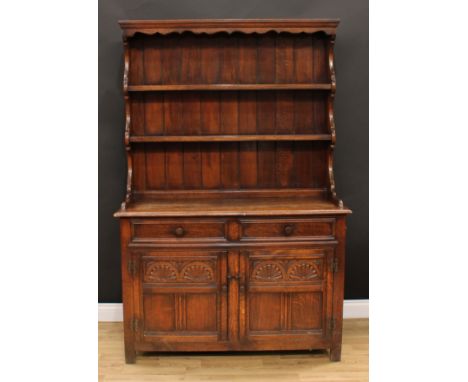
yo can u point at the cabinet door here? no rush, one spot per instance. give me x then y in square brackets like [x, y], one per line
[180, 299]
[287, 298]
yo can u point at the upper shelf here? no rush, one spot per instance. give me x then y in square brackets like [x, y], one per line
[260, 26]
[212, 87]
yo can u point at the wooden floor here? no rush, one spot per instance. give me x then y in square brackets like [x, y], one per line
[258, 367]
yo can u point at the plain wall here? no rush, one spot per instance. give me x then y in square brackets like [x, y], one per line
[351, 116]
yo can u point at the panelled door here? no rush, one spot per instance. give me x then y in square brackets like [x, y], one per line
[180, 297]
[286, 299]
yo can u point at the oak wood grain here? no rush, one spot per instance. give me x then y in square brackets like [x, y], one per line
[232, 234]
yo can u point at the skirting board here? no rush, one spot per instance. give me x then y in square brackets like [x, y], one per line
[351, 309]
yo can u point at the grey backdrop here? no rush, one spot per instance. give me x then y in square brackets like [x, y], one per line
[351, 113]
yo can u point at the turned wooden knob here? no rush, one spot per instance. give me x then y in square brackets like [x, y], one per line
[288, 229]
[179, 232]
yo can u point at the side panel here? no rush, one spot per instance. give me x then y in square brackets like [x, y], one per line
[127, 291]
[338, 290]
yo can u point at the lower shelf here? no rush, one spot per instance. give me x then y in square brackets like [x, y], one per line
[232, 207]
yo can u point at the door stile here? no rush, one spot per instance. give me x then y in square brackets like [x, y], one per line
[328, 292]
[223, 298]
[233, 295]
[137, 297]
[243, 272]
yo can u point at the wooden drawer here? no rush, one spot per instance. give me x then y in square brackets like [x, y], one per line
[288, 229]
[150, 230]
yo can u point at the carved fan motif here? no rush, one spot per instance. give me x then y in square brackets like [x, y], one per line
[160, 272]
[268, 272]
[303, 271]
[197, 272]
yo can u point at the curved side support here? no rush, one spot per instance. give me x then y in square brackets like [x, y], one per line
[128, 193]
[331, 122]
[331, 97]
[331, 179]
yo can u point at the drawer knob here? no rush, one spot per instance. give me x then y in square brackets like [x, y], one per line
[288, 229]
[179, 232]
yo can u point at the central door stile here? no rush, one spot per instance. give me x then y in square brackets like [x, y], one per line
[223, 298]
[233, 296]
[243, 272]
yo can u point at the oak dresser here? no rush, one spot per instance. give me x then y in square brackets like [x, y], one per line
[232, 234]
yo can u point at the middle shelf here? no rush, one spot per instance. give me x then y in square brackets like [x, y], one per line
[231, 138]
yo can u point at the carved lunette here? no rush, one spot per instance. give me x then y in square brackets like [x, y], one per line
[128, 193]
[331, 122]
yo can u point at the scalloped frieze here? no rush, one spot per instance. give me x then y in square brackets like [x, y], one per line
[164, 32]
[164, 27]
